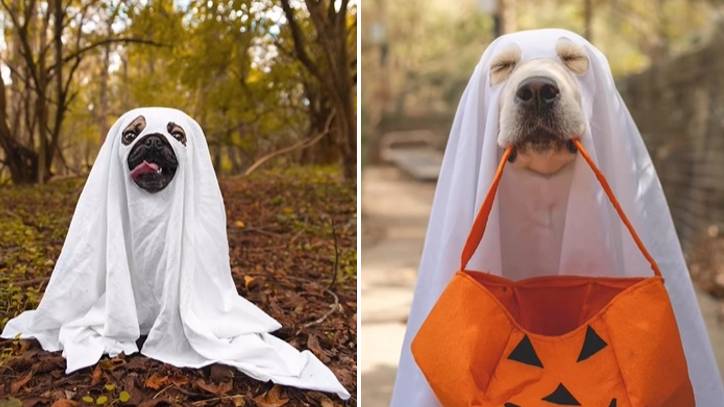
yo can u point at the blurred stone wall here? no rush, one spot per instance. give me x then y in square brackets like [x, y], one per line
[679, 109]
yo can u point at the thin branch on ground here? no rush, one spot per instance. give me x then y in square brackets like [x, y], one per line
[332, 308]
[32, 281]
[294, 147]
[335, 268]
[260, 230]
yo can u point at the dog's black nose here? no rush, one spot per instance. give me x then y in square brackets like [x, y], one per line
[154, 141]
[537, 91]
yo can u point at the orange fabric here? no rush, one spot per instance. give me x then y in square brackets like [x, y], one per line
[573, 300]
[554, 340]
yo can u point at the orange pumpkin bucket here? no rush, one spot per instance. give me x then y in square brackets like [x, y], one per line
[554, 340]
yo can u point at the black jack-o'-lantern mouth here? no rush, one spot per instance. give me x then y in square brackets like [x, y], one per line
[525, 353]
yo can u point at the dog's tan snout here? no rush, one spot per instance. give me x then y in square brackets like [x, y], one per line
[539, 93]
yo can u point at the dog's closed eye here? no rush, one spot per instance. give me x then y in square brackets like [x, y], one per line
[504, 63]
[572, 55]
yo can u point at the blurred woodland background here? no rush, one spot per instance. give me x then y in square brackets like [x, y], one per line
[667, 58]
[417, 55]
[265, 79]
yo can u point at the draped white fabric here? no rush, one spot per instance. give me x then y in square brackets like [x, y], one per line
[136, 263]
[558, 225]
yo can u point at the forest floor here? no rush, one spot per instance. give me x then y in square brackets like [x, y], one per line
[289, 232]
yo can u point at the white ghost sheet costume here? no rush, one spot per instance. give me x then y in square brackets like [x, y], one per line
[157, 264]
[558, 225]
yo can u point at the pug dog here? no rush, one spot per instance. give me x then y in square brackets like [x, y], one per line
[540, 111]
[152, 162]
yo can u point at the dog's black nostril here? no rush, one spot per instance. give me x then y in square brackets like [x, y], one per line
[153, 141]
[524, 93]
[548, 92]
[537, 90]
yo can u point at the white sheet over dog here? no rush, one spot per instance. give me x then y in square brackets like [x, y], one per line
[541, 225]
[136, 263]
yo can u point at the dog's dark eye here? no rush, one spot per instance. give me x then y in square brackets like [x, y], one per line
[177, 132]
[128, 136]
[133, 130]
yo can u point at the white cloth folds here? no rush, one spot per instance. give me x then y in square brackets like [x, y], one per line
[157, 264]
[558, 225]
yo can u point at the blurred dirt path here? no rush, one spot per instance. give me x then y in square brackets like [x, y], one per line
[710, 310]
[395, 210]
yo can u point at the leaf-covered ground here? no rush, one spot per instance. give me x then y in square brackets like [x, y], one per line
[289, 231]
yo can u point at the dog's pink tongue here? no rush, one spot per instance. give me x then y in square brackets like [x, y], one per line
[143, 168]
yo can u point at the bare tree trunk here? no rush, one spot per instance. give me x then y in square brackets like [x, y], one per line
[41, 82]
[660, 49]
[588, 19]
[326, 150]
[20, 160]
[101, 114]
[504, 20]
[42, 119]
[331, 68]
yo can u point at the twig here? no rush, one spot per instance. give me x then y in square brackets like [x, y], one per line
[182, 390]
[260, 230]
[163, 390]
[332, 308]
[32, 281]
[54, 384]
[124, 40]
[220, 398]
[295, 237]
[335, 269]
[299, 145]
